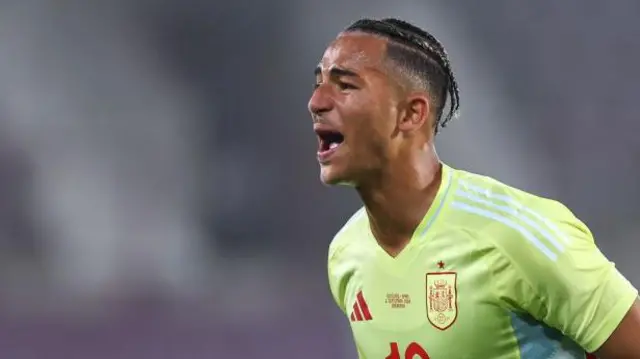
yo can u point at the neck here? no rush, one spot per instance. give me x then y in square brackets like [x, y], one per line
[398, 199]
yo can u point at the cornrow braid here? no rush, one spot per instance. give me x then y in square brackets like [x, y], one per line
[436, 70]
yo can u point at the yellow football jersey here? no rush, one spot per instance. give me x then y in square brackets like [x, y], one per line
[490, 272]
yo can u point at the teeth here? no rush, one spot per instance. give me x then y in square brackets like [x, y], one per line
[333, 145]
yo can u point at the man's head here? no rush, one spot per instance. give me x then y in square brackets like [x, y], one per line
[380, 93]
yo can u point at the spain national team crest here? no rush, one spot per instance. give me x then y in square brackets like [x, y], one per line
[442, 299]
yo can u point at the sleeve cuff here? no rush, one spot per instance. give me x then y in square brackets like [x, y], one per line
[611, 322]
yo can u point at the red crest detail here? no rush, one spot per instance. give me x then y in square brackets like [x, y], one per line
[442, 299]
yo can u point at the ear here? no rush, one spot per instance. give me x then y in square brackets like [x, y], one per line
[415, 114]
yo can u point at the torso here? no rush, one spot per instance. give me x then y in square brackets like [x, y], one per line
[436, 299]
[427, 301]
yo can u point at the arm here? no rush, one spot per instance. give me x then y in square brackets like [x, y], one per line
[624, 343]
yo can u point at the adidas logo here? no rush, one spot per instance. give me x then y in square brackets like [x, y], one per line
[360, 311]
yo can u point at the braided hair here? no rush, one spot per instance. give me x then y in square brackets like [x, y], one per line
[420, 53]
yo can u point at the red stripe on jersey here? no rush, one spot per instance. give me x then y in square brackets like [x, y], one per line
[356, 311]
[364, 306]
[353, 317]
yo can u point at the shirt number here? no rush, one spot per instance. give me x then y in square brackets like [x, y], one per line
[414, 349]
[411, 351]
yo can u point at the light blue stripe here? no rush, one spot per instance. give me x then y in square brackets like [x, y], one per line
[514, 212]
[488, 193]
[538, 341]
[509, 223]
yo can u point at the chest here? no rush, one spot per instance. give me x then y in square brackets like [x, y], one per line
[432, 306]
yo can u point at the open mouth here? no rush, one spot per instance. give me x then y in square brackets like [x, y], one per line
[328, 140]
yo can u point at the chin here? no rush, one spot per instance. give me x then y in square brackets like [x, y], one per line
[331, 176]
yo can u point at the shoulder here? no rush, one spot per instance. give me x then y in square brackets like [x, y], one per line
[514, 220]
[346, 235]
[534, 245]
[341, 263]
[488, 188]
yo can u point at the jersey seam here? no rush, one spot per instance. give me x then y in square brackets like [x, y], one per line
[510, 262]
[526, 280]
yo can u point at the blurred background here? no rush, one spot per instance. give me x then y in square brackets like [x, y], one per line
[158, 182]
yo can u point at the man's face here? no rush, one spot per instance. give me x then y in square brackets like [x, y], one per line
[353, 109]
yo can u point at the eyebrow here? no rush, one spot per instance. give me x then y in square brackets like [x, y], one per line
[337, 72]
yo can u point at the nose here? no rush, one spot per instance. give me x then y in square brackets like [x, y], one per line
[320, 101]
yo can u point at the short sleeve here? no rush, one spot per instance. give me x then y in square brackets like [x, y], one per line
[555, 272]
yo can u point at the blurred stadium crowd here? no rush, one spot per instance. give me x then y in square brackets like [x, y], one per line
[158, 183]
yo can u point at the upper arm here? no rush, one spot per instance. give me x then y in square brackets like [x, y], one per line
[562, 279]
[625, 340]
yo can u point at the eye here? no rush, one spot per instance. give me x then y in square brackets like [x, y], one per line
[346, 86]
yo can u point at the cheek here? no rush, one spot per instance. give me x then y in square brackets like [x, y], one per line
[371, 140]
[369, 123]
[381, 130]
[373, 112]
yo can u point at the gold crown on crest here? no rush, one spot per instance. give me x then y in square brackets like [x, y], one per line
[440, 283]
